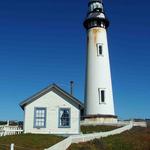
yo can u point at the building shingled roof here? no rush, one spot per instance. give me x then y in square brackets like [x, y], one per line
[46, 90]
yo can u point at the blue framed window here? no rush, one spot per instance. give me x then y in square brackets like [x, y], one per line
[64, 117]
[40, 117]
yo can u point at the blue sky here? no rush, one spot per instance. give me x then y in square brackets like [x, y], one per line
[44, 41]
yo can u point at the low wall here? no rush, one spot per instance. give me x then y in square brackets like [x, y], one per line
[118, 124]
[102, 124]
[92, 136]
[63, 145]
[140, 124]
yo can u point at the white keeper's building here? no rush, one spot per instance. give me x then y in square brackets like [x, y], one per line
[52, 111]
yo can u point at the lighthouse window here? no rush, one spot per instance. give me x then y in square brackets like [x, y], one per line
[99, 49]
[101, 95]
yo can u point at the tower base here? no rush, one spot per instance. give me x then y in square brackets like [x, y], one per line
[100, 119]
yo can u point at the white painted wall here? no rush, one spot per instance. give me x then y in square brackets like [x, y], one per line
[98, 74]
[52, 102]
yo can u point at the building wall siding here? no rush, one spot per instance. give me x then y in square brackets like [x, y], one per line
[52, 102]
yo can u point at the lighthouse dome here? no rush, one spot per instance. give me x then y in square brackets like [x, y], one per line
[96, 15]
[95, 6]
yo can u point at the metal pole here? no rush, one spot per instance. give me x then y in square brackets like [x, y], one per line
[12, 146]
[71, 87]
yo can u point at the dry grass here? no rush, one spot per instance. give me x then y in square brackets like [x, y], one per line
[98, 128]
[135, 139]
[29, 141]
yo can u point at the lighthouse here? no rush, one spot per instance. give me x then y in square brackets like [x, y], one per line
[99, 104]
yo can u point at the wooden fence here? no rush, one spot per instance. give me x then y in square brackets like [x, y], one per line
[10, 130]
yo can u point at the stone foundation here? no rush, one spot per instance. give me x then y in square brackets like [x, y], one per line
[100, 119]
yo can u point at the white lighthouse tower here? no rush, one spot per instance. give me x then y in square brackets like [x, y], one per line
[99, 105]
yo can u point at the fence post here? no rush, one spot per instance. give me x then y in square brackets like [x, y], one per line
[12, 146]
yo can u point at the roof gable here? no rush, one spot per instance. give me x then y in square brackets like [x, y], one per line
[45, 91]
